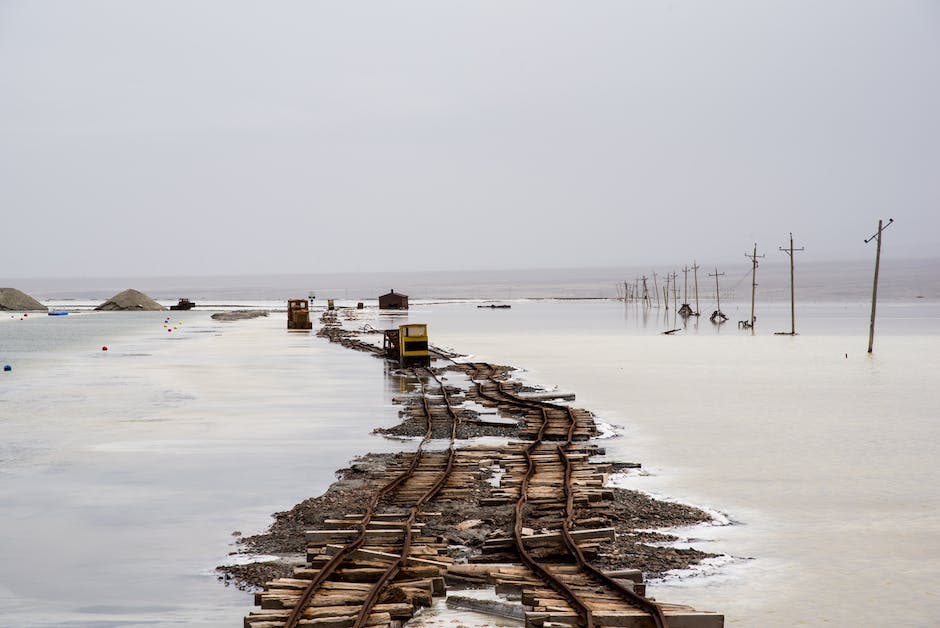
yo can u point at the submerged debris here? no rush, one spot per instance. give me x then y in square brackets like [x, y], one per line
[238, 315]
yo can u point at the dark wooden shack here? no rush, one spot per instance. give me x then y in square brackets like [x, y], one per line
[393, 301]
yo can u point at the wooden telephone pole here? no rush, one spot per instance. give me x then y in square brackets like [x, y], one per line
[717, 316]
[695, 268]
[790, 252]
[685, 310]
[655, 288]
[874, 290]
[754, 256]
[675, 291]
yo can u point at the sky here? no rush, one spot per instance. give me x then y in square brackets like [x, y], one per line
[231, 137]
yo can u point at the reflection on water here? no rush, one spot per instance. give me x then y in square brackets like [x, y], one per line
[825, 455]
[125, 472]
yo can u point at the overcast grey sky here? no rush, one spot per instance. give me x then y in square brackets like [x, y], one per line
[154, 138]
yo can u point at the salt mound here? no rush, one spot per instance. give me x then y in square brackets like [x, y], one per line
[130, 300]
[16, 301]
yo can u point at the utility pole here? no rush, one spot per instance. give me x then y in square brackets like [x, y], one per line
[753, 257]
[666, 292]
[695, 268]
[675, 291]
[874, 290]
[685, 287]
[646, 292]
[685, 310]
[717, 315]
[656, 288]
[790, 252]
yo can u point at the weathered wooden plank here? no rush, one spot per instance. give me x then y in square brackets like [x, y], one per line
[679, 618]
[367, 553]
[540, 540]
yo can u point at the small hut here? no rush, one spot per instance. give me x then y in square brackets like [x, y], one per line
[393, 301]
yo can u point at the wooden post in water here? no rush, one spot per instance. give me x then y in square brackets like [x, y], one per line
[685, 283]
[656, 288]
[695, 268]
[675, 291]
[874, 290]
[753, 257]
[792, 292]
[717, 293]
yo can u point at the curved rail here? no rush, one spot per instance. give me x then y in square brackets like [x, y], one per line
[629, 596]
[552, 580]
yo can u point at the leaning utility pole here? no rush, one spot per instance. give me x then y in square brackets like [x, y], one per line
[656, 288]
[695, 268]
[790, 252]
[874, 290]
[717, 315]
[753, 257]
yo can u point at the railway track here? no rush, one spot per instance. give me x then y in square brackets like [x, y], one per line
[401, 500]
[560, 423]
[376, 567]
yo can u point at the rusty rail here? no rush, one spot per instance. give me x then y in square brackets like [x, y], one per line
[377, 588]
[629, 596]
[330, 567]
[553, 581]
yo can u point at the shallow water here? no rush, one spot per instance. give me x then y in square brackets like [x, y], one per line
[124, 473]
[823, 456]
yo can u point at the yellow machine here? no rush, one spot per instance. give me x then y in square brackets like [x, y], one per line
[408, 344]
[298, 314]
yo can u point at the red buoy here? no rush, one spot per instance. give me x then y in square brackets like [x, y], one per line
[104, 348]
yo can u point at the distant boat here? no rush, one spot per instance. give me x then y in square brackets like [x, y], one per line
[184, 304]
[57, 313]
